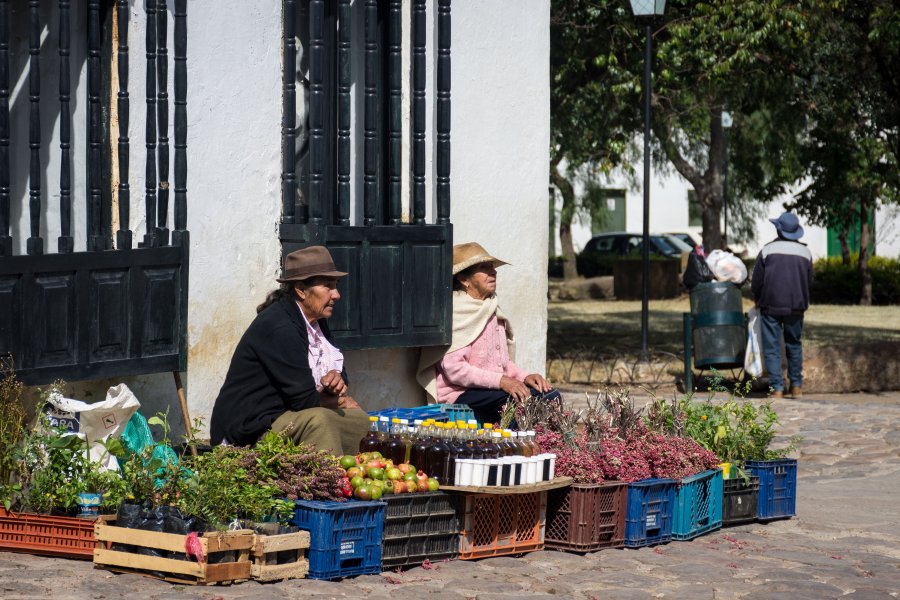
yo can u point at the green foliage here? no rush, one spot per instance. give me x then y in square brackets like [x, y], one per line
[736, 429]
[12, 428]
[58, 467]
[836, 283]
[157, 475]
[219, 490]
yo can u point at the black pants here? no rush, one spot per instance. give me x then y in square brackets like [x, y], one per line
[487, 404]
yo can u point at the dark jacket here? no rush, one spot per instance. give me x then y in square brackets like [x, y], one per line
[269, 375]
[781, 278]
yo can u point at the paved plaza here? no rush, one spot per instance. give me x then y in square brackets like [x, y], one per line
[844, 542]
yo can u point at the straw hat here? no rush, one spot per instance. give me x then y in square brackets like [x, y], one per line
[471, 253]
[314, 261]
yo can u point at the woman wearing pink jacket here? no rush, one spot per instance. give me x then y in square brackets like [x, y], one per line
[478, 369]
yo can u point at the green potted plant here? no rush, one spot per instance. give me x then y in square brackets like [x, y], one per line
[743, 433]
[12, 427]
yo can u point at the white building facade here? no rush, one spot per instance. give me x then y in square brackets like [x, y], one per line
[499, 134]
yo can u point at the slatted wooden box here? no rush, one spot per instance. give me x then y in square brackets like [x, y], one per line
[265, 553]
[189, 572]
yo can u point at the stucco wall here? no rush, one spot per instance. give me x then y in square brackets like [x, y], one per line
[499, 141]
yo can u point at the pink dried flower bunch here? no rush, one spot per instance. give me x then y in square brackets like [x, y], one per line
[641, 454]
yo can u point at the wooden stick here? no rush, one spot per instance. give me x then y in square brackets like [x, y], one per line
[184, 410]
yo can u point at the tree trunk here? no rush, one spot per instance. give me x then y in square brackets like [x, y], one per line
[845, 246]
[565, 221]
[865, 275]
[712, 231]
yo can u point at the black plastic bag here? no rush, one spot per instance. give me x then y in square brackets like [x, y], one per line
[287, 556]
[129, 516]
[697, 271]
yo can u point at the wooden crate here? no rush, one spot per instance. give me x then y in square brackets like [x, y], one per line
[264, 567]
[170, 569]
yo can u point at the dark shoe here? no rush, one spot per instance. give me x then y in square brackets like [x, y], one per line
[796, 392]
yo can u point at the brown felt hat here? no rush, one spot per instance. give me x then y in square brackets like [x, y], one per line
[314, 261]
[471, 253]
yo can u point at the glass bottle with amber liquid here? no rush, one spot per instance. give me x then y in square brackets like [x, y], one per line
[420, 445]
[396, 447]
[472, 442]
[372, 440]
[437, 457]
[489, 449]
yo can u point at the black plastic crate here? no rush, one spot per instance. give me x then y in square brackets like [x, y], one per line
[419, 526]
[740, 500]
[412, 552]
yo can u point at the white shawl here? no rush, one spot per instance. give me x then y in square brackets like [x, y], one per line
[470, 317]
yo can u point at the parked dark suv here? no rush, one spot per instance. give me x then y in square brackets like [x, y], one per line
[598, 254]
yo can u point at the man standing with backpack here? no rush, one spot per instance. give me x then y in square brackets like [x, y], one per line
[781, 281]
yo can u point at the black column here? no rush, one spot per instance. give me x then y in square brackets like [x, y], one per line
[5, 238]
[443, 113]
[123, 235]
[370, 132]
[65, 242]
[418, 111]
[34, 244]
[344, 100]
[179, 233]
[317, 142]
[162, 112]
[150, 238]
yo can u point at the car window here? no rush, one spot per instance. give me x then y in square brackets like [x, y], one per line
[601, 244]
[663, 245]
[678, 242]
[634, 245]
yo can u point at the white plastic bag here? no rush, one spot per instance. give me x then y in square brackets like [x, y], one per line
[753, 361]
[95, 422]
[725, 266]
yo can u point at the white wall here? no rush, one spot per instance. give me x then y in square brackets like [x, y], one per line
[499, 162]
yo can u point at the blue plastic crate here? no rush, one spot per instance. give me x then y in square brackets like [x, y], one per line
[345, 537]
[698, 505]
[438, 412]
[777, 488]
[648, 520]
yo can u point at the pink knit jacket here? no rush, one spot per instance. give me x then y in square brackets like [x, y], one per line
[481, 364]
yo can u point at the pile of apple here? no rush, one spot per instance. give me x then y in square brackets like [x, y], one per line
[371, 476]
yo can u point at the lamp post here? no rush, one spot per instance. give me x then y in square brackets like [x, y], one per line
[646, 10]
[726, 125]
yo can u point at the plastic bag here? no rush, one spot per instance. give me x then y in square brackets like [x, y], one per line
[753, 362]
[697, 271]
[95, 422]
[725, 266]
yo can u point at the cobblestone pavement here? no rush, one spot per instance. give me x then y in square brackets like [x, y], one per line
[844, 542]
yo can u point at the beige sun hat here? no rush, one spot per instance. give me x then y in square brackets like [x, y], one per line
[471, 253]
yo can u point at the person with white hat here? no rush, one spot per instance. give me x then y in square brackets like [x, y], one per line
[285, 374]
[780, 283]
[477, 368]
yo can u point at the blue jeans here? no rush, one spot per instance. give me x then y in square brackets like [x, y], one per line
[772, 328]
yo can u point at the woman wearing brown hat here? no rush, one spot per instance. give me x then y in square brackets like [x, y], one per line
[285, 374]
[477, 369]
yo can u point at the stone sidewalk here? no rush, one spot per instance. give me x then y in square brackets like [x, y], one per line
[844, 542]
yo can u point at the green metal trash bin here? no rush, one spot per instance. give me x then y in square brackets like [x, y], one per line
[718, 326]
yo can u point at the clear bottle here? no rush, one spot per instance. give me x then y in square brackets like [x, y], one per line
[406, 438]
[491, 449]
[472, 441]
[527, 450]
[384, 432]
[452, 437]
[437, 457]
[396, 448]
[420, 445]
[461, 440]
[372, 441]
[506, 448]
[518, 440]
[535, 447]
